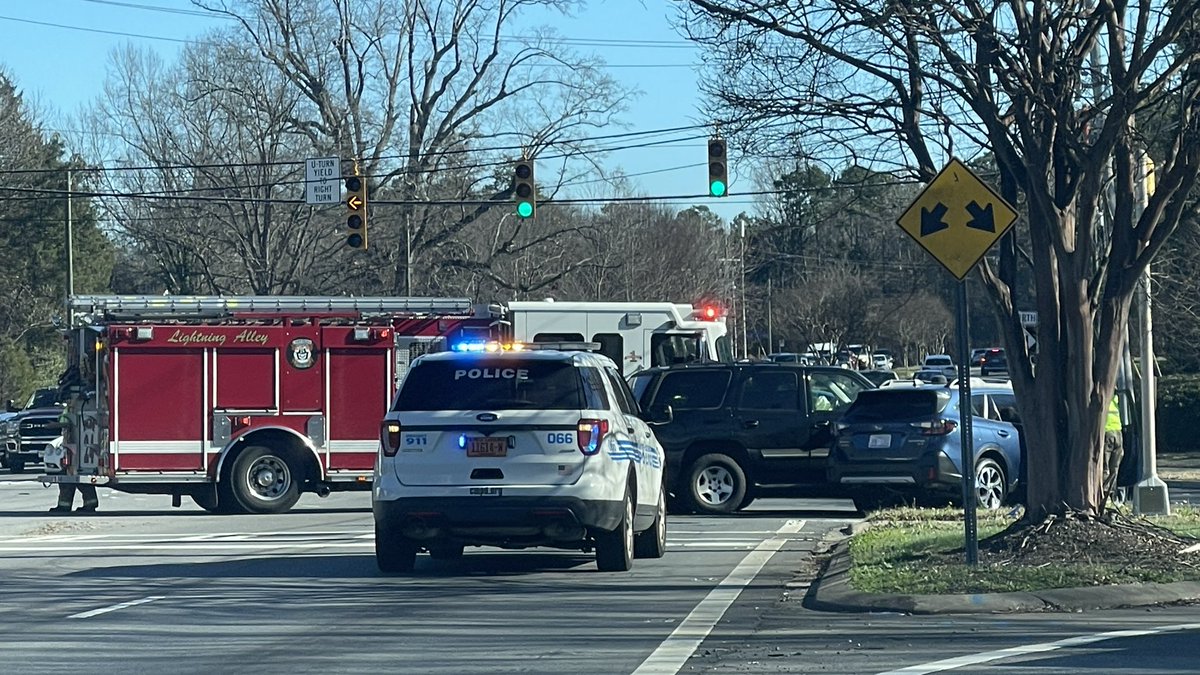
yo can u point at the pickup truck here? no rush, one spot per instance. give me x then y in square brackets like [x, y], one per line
[25, 434]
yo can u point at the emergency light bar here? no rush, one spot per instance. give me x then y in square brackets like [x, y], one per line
[494, 347]
[170, 306]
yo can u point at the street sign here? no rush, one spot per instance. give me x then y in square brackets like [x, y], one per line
[1028, 318]
[322, 180]
[957, 218]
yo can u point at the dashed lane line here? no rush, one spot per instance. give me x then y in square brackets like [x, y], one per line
[1041, 647]
[672, 654]
[113, 608]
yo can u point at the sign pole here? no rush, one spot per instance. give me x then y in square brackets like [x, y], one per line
[965, 413]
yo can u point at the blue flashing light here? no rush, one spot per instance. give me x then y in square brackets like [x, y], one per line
[469, 346]
[462, 440]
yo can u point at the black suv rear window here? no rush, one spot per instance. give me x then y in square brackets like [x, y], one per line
[878, 405]
[484, 383]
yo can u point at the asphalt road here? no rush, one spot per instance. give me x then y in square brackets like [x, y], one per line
[144, 588]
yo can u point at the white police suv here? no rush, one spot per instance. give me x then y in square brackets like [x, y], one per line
[517, 447]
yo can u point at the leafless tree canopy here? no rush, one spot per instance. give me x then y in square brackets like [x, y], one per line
[905, 85]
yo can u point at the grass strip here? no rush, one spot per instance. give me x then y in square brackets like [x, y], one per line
[912, 551]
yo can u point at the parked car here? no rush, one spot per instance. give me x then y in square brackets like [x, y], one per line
[941, 363]
[736, 428]
[977, 356]
[791, 357]
[882, 361]
[906, 438]
[878, 377]
[993, 362]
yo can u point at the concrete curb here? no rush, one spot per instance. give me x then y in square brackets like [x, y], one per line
[831, 592]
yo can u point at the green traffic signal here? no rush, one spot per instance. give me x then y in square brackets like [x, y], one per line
[524, 209]
[716, 188]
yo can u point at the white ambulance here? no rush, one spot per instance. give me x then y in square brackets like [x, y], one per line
[635, 335]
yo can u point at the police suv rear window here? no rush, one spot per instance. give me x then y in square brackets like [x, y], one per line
[481, 384]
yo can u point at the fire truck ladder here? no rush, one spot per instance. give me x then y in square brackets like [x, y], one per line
[149, 307]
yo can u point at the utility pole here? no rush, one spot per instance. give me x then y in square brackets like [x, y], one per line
[1150, 495]
[70, 252]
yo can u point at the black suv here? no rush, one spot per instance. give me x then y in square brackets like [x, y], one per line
[738, 427]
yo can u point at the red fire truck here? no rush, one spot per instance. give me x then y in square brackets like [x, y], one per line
[242, 403]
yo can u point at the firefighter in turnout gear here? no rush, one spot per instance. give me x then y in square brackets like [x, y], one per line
[71, 391]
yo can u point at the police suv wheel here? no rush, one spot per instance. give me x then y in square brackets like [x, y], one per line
[394, 553]
[263, 481]
[716, 484]
[653, 542]
[614, 550]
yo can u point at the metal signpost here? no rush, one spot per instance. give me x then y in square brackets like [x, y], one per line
[957, 218]
[322, 180]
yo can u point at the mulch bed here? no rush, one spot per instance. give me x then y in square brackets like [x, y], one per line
[1112, 539]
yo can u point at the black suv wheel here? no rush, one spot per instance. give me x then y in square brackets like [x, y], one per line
[715, 483]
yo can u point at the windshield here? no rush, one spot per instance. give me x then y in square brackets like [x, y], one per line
[43, 398]
[938, 361]
[481, 384]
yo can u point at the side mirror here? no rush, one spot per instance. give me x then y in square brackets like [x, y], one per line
[12, 406]
[657, 415]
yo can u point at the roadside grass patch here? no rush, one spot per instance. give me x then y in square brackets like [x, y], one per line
[914, 551]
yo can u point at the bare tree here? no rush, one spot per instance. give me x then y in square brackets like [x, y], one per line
[412, 88]
[213, 200]
[910, 84]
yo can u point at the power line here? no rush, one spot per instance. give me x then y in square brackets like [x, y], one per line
[441, 153]
[599, 42]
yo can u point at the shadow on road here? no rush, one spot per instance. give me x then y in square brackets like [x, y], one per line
[484, 563]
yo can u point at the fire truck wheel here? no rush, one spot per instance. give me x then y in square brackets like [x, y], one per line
[264, 481]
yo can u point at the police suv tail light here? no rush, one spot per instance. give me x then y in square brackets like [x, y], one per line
[590, 434]
[389, 437]
[936, 427]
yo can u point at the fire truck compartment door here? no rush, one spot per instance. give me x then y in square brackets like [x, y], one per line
[158, 408]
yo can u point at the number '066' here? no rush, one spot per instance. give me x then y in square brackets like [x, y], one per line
[559, 438]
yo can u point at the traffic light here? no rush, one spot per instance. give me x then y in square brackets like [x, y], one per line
[718, 168]
[524, 191]
[356, 215]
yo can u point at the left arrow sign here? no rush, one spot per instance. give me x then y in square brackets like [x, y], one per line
[354, 202]
[931, 220]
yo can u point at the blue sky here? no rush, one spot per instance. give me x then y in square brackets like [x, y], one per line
[62, 68]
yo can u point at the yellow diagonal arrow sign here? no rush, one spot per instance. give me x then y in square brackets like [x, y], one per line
[354, 202]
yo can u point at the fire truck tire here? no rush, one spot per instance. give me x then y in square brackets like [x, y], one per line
[264, 481]
[394, 553]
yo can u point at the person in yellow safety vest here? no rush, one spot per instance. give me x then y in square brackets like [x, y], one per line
[1113, 446]
[66, 491]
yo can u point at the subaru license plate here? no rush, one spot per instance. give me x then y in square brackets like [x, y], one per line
[487, 447]
[879, 441]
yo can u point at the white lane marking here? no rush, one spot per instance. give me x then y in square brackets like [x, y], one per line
[113, 608]
[986, 657]
[670, 656]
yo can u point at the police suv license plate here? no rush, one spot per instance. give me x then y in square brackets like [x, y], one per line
[879, 441]
[487, 447]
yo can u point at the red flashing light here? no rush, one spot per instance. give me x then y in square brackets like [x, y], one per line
[710, 312]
